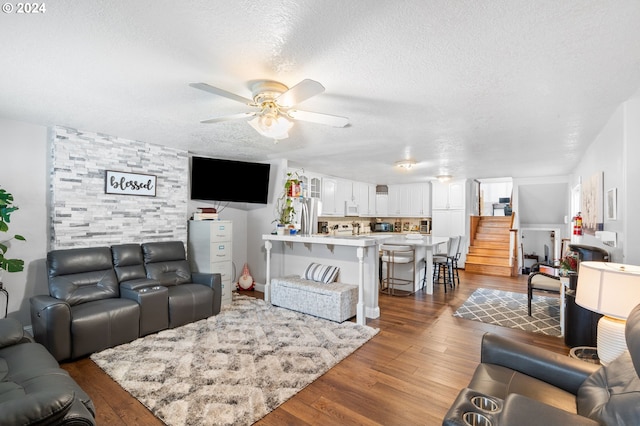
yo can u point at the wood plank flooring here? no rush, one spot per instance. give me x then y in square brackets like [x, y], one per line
[408, 374]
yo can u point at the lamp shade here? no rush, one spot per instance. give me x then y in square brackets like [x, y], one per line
[611, 289]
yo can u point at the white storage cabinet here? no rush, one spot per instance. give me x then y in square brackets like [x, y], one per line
[210, 251]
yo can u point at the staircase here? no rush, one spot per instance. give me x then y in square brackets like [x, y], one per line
[489, 251]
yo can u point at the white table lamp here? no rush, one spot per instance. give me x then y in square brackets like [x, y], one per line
[613, 290]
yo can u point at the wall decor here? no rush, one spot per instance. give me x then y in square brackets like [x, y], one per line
[130, 183]
[612, 204]
[593, 204]
[82, 214]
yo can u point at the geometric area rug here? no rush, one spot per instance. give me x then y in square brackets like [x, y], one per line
[508, 309]
[232, 368]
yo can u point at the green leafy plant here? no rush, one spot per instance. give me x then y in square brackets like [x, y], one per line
[284, 207]
[6, 208]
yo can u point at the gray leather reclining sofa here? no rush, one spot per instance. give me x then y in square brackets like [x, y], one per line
[518, 384]
[33, 388]
[102, 297]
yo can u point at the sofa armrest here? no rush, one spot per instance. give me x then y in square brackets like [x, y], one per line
[213, 281]
[138, 284]
[521, 410]
[559, 370]
[51, 321]
[11, 332]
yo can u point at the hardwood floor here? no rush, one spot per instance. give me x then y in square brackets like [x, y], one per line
[408, 374]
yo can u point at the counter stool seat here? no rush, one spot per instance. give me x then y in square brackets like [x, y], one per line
[392, 255]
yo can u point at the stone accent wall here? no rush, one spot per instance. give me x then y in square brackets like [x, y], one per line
[82, 214]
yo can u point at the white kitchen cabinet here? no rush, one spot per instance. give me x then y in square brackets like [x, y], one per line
[382, 204]
[329, 189]
[367, 199]
[335, 193]
[210, 251]
[409, 200]
[449, 195]
[312, 184]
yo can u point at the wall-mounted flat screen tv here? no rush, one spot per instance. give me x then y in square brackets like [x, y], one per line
[228, 180]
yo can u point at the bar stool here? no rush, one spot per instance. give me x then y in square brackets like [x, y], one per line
[444, 264]
[391, 256]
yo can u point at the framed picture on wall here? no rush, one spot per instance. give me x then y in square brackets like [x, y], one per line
[130, 183]
[593, 203]
[612, 204]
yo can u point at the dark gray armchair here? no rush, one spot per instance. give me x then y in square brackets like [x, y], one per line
[192, 296]
[84, 312]
[33, 389]
[518, 384]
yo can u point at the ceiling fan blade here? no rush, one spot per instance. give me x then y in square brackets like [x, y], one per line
[229, 117]
[300, 92]
[314, 117]
[221, 92]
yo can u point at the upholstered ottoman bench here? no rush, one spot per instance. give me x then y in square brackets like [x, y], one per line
[333, 301]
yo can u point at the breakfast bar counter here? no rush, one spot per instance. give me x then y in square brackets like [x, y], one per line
[356, 256]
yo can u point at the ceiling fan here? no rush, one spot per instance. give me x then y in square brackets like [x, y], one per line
[274, 102]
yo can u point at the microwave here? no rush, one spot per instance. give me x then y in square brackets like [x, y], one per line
[383, 227]
[351, 209]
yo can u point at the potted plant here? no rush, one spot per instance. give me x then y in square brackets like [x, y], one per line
[6, 208]
[285, 209]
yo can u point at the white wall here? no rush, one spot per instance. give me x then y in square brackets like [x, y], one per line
[630, 206]
[605, 155]
[23, 173]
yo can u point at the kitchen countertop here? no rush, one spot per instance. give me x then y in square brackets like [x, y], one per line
[338, 240]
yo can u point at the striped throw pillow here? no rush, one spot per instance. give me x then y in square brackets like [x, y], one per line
[321, 273]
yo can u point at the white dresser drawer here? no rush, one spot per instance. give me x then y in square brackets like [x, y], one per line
[221, 251]
[221, 231]
[225, 269]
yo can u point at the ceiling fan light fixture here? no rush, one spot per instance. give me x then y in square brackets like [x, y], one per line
[405, 164]
[272, 125]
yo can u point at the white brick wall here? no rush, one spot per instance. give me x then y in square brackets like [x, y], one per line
[83, 215]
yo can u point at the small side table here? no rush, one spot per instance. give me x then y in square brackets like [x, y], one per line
[6, 293]
[585, 353]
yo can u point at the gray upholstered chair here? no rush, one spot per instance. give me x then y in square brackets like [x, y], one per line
[517, 384]
[84, 312]
[191, 295]
[34, 390]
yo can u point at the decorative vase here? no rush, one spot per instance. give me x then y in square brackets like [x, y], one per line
[280, 229]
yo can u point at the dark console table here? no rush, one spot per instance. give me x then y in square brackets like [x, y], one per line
[580, 324]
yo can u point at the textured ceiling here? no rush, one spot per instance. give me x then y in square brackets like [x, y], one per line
[475, 89]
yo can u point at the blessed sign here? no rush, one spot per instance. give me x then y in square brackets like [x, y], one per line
[130, 184]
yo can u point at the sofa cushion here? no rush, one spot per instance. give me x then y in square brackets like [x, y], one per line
[44, 407]
[499, 381]
[82, 275]
[31, 369]
[163, 251]
[611, 395]
[103, 324]
[189, 303]
[166, 262]
[11, 332]
[128, 262]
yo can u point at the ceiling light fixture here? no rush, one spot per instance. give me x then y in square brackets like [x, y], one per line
[405, 164]
[271, 123]
[444, 178]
